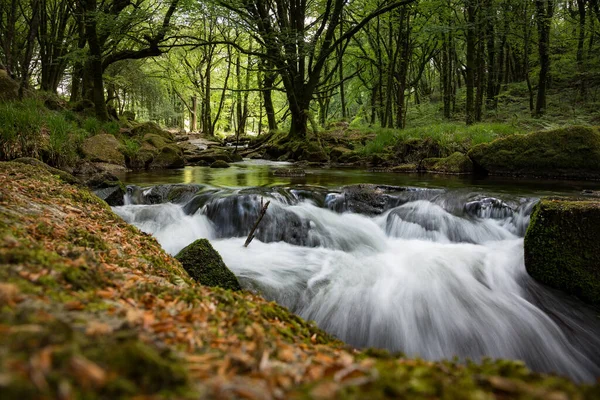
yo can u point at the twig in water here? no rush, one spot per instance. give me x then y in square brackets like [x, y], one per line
[260, 217]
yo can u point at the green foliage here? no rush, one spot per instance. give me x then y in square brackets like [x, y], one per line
[20, 128]
[92, 125]
[130, 147]
[111, 127]
[64, 142]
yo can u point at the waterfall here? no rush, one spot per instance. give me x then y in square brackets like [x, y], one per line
[434, 274]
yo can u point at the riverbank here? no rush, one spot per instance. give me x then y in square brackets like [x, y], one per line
[93, 307]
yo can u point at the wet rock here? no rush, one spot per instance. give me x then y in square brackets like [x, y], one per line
[488, 207]
[103, 148]
[365, 199]
[562, 246]
[220, 164]
[413, 151]
[205, 265]
[113, 193]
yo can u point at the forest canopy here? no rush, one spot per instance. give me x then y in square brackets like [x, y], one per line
[252, 66]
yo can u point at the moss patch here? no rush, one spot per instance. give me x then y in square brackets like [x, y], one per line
[205, 265]
[456, 163]
[572, 152]
[562, 246]
[103, 148]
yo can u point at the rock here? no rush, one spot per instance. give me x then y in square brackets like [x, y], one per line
[457, 163]
[405, 168]
[103, 148]
[290, 172]
[220, 164]
[146, 128]
[365, 199]
[572, 152]
[413, 151]
[205, 265]
[9, 89]
[562, 246]
[313, 152]
[214, 154]
[169, 157]
[338, 152]
[82, 105]
[64, 176]
[101, 180]
[154, 140]
[113, 193]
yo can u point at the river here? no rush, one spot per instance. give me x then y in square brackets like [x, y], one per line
[428, 265]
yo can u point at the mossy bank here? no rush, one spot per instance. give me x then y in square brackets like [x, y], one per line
[91, 307]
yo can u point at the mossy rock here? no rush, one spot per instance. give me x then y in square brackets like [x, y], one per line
[220, 164]
[146, 128]
[562, 246]
[154, 140]
[338, 152]
[82, 105]
[103, 148]
[205, 265]
[128, 115]
[211, 155]
[9, 89]
[169, 157]
[457, 163]
[405, 168]
[413, 151]
[572, 152]
[289, 172]
[64, 176]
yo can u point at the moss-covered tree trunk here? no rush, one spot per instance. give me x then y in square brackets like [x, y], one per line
[544, 13]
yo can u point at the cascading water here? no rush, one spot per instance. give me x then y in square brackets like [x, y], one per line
[430, 273]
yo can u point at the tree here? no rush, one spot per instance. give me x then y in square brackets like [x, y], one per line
[298, 38]
[544, 13]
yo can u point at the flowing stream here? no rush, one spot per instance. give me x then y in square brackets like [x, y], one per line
[434, 272]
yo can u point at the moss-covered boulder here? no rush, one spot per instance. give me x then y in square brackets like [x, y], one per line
[151, 128]
[572, 152]
[562, 249]
[413, 151]
[9, 89]
[220, 164]
[169, 157]
[457, 163]
[338, 153]
[205, 266]
[103, 148]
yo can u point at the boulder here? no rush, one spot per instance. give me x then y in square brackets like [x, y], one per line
[103, 148]
[146, 128]
[339, 152]
[413, 151]
[113, 193]
[457, 163]
[128, 115]
[82, 105]
[562, 247]
[572, 153]
[220, 164]
[168, 157]
[205, 265]
[9, 89]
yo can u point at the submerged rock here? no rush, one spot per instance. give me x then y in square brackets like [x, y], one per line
[205, 265]
[289, 172]
[572, 152]
[562, 247]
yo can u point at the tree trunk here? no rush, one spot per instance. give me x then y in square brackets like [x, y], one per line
[581, 4]
[95, 60]
[471, 61]
[545, 11]
[491, 102]
[26, 62]
[194, 114]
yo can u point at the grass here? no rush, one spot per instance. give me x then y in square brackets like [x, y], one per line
[130, 147]
[20, 128]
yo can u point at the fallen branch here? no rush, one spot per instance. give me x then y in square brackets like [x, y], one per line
[260, 217]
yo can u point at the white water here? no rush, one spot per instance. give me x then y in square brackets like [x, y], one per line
[415, 279]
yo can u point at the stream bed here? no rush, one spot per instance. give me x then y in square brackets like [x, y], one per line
[431, 266]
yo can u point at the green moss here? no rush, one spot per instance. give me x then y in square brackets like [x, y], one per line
[456, 163]
[220, 164]
[169, 157]
[405, 168]
[84, 238]
[562, 246]
[572, 152]
[155, 140]
[103, 148]
[204, 264]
